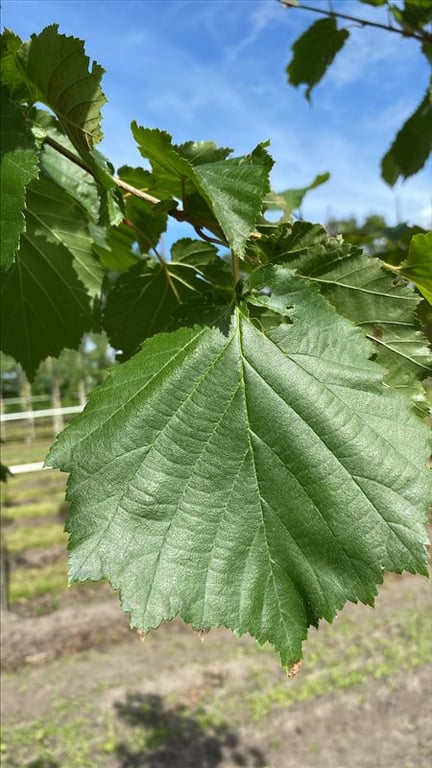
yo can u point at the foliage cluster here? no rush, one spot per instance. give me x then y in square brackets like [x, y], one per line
[257, 460]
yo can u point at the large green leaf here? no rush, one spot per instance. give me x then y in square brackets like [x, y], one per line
[58, 68]
[361, 290]
[314, 51]
[19, 165]
[233, 188]
[247, 480]
[412, 145]
[45, 305]
[142, 301]
[418, 266]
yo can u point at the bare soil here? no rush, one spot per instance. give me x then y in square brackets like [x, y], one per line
[169, 685]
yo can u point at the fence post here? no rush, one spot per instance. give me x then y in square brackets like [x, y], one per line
[4, 576]
[26, 395]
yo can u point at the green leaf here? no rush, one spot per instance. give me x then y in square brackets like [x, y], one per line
[142, 301]
[45, 306]
[61, 220]
[233, 188]
[171, 171]
[418, 266]
[78, 183]
[414, 16]
[147, 220]
[93, 189]
[291, 199]
[201, 152]
[59, 71]
[256, 482]
[427, 50]
[314, 51]
[412, 145]
[236, 188]
[363, 292]
[117, 253]
[19, 165]
[12, 77]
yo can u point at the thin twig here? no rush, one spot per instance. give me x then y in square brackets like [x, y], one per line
[208, 239]
[85, 167]
[134, 191]
[423, 37]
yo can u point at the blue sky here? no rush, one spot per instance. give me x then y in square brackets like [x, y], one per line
[215, 69]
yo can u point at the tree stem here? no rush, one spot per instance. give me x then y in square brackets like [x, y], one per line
[424, 37]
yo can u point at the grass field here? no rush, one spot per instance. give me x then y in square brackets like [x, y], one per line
[32, 514]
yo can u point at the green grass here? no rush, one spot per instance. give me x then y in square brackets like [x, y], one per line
[362, 651]
[363, 646]
[33, 487]
[28, 537]
[28, 511]
[48, 581]
[23, 453]
[77, 735]
[15, 449]
[29, 583]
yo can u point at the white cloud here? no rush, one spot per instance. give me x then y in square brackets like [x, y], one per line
[259, 18]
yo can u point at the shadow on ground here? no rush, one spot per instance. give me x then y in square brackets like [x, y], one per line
[170, 737]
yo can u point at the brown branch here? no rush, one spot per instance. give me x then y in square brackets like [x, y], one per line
[134, 191]
[423, 37]
[118, 182]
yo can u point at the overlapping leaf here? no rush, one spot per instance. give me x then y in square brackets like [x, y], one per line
[418, 266]
[291, 199]
[143, 300]
[46, 294]
[363, 292]
[233, 188]
[252, 481]
[149, 221]
[19, 165]
[12, 76]
[412, 145]
[58, 68]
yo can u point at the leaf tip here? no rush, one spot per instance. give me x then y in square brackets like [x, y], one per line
[294, 669]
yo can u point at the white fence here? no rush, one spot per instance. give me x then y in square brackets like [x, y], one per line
[36, 466]
[42, 413]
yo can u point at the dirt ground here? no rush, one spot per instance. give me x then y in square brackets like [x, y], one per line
[362, 699]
